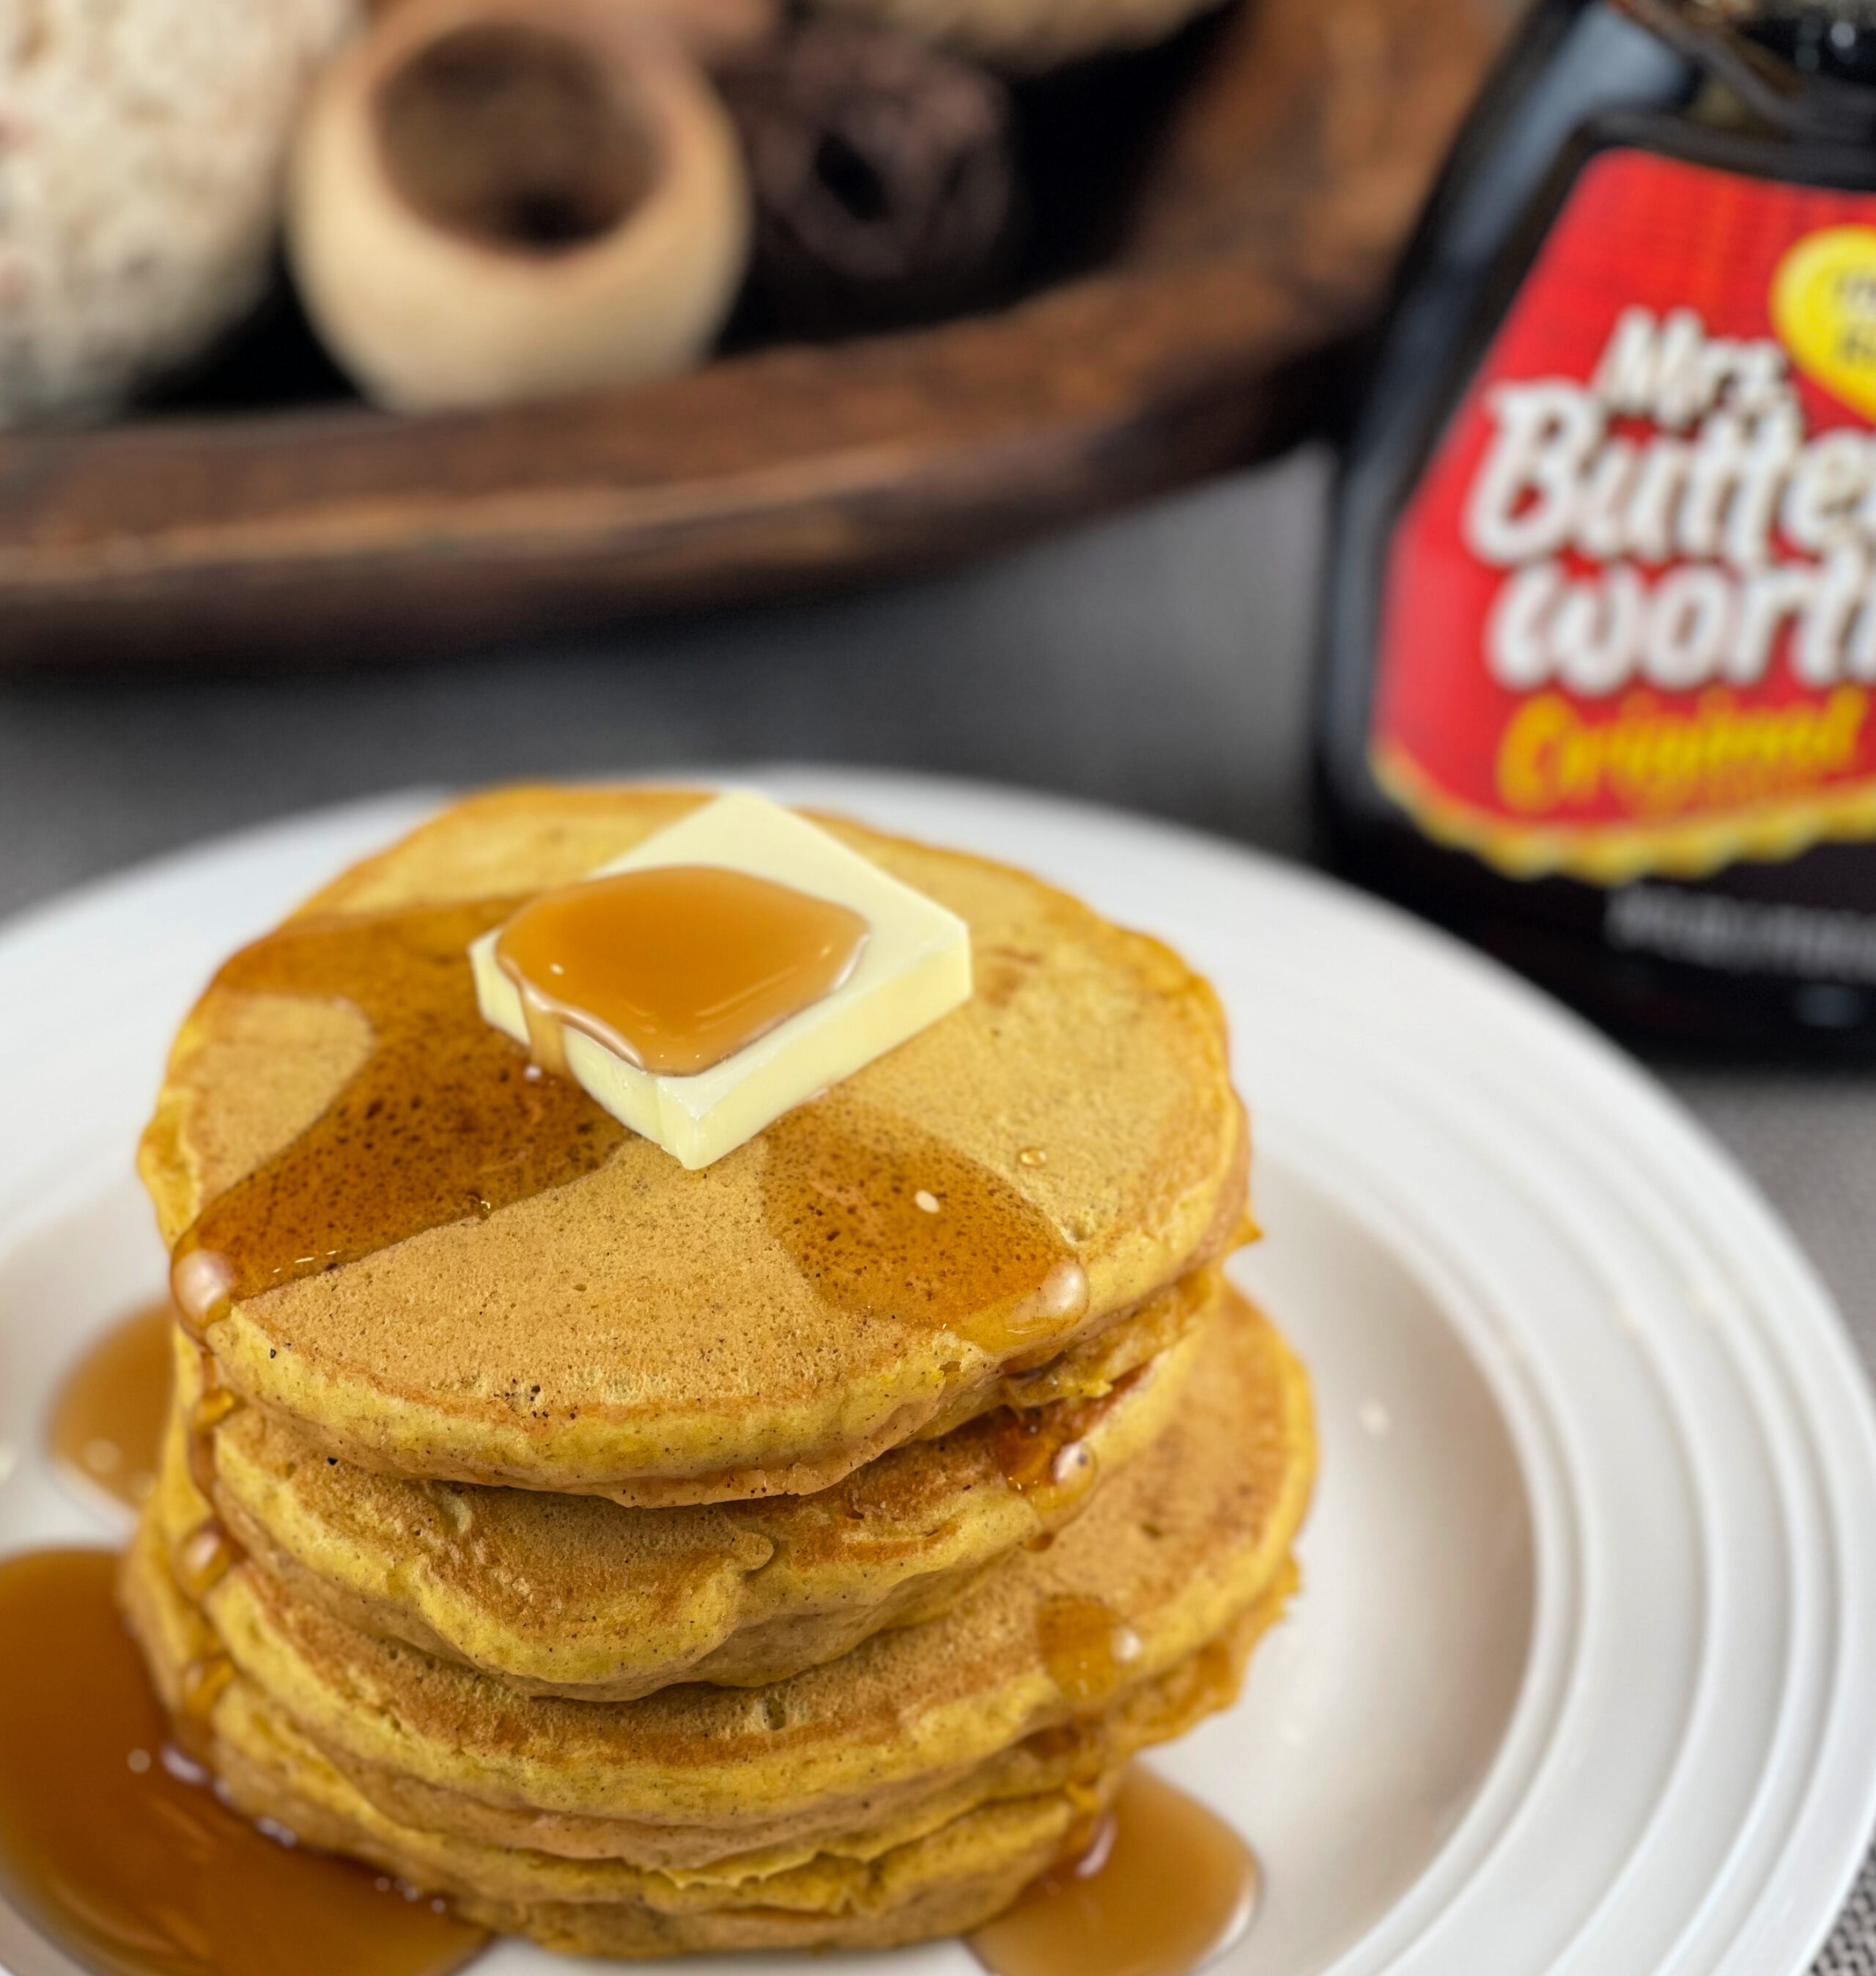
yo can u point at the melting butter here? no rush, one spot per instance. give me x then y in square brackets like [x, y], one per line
[729, 969]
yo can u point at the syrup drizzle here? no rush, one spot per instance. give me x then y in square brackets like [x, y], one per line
[676, 967]
[887, 1221]
[1043, 1451]
[1163, 1886]
[1087, 1647]
[443, 1123]
[107, 1421]
[112, 1845]
[448, 1120]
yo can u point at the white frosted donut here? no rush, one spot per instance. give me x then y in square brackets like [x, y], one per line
[1027, 34]
[496, 200]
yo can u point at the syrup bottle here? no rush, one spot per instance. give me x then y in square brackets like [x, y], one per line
[1599, 687]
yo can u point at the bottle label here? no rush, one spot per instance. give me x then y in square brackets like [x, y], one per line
[1629, 618]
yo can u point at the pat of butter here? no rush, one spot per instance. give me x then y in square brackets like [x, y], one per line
[914, 967]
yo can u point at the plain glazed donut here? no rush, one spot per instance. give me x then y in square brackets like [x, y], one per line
[496, 200]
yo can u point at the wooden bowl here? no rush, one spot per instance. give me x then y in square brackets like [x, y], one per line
[1264, 223]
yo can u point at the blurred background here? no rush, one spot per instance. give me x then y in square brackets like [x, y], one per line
[1160, 661]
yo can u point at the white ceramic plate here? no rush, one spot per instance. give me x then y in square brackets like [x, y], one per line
[1583, 1678]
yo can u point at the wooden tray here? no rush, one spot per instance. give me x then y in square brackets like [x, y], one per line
[1266, 219]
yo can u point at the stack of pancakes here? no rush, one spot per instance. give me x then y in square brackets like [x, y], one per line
[788, 1553]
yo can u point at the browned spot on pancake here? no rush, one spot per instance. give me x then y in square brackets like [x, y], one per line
[443, 1123]
[887, 1221]
[1000, 973]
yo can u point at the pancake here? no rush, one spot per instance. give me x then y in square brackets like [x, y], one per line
[575, 1595]
[577, 1313]
[1169, 1556]
[964, 1865]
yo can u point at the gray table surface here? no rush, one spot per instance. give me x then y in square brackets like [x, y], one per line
[1160, 661]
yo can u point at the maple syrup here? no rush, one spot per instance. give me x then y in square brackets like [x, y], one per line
[447, 1120]
[1087, 1647]
[1164, 1887]
[443, 1123]
[1043, 1452]
[107, 1420]
[213, 1404]
[112, 1844]
[676, 967]
[842, 1186]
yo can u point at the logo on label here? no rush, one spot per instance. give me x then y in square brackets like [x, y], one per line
[1823, 308]
[1629, 623]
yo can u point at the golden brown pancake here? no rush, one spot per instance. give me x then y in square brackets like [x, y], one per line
[963, 1861]
[1171, 1555]
[576, 1595]
[766, 1325]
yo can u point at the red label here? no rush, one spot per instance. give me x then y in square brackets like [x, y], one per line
[1629, 623]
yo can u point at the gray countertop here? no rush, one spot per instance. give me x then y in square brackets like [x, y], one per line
[1160, 662]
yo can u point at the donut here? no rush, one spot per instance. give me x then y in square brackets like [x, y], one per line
[884, 175]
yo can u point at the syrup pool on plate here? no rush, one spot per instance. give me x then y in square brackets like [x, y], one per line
[107, 1424]
[115, 1846]
[1165, 1886]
